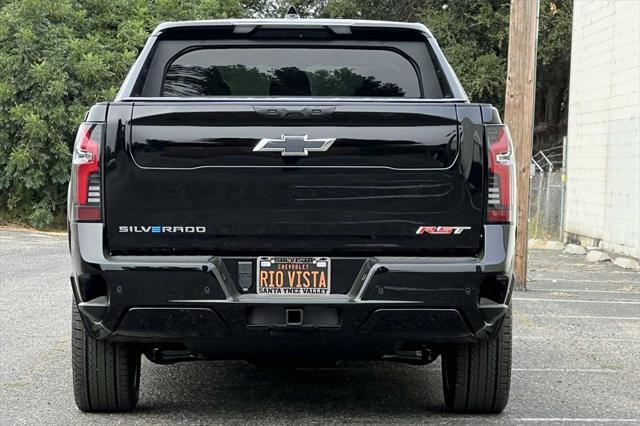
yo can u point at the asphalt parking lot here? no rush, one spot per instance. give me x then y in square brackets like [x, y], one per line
[576, 358]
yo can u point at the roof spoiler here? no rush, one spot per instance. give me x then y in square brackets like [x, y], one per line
[247, 26]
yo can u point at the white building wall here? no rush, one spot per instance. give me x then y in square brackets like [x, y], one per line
[603, 145]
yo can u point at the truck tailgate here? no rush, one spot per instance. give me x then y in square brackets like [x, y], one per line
[186, 178]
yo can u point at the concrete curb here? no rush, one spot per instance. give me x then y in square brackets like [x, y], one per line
[627, 263]
[575, 249]
[595, 256]
[14, 228]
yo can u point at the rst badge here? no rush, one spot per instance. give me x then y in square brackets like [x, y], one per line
[442, 230]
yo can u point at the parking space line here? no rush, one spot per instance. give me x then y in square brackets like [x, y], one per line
[525, 370]
[488, 420]
[554, 280]
[574, 420]
[568, 370]
[581, 339]
[604, 270]
[585, 317]
[575, 290]
[614, 302]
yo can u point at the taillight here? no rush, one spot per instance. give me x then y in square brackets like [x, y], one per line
[501, 188]
[85, 179]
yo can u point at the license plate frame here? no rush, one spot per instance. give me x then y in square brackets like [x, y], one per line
[293, 276]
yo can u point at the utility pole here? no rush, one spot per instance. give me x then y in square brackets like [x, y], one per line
[519, 109]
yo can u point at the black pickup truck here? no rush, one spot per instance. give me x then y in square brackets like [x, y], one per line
[292, 190]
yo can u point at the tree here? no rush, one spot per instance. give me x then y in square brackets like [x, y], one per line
[474, 36]
[57, 58]
[552, 80]
[389, 10]
[278, 9]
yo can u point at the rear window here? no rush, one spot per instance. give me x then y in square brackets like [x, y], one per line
[291, 71]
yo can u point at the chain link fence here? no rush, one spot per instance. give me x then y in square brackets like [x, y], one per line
[546, 194]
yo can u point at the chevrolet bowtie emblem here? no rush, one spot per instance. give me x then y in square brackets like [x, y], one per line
[294, 145]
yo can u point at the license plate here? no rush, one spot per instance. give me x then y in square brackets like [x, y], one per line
[294, 275]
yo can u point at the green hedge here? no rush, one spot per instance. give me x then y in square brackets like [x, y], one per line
[57, 58]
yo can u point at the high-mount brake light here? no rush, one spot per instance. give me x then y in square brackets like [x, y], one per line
[501, 189]
[85, 179]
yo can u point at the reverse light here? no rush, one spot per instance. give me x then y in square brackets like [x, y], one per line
[85, 178]
[501, 189]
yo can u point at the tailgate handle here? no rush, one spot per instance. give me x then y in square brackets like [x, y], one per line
[294, 111]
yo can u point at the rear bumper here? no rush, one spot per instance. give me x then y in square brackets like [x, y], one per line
[196, 302]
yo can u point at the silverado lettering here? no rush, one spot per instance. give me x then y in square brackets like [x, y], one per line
[163, 229]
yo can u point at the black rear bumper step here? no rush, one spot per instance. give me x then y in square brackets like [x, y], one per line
[185, 324]
[191, 300]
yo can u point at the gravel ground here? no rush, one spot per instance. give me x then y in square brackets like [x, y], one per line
[576, 358]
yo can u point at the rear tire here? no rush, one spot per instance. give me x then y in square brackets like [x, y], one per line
[106, 375]
[476, 377]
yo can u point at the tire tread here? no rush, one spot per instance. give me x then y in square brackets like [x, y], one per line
[105, 374]
[476, 376]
